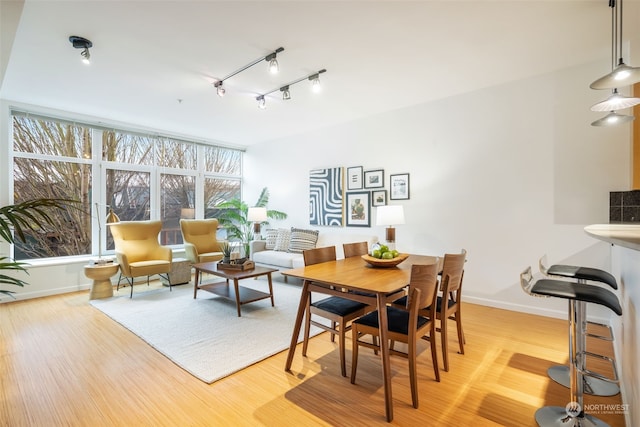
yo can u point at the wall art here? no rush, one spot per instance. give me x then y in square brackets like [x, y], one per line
[325, 197]
[399, 186]
[358, 209]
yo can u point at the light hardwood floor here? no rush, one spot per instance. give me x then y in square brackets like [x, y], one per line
[64, 363]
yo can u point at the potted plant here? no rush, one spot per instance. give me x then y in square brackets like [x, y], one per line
[234, 218]
[225, 248]
[14, 221]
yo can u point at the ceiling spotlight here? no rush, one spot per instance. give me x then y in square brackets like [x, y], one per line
[615, 102]
[84, 44]
[261, 102]
[612, 119]
[286, 95]
[315, 83]
[219, 89]
[273, 62]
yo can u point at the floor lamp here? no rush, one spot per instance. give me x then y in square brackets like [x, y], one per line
[110, 219]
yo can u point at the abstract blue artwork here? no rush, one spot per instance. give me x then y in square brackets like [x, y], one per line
[325, 197]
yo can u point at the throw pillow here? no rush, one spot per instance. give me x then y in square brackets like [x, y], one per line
[271, 236]
[282, 240]
[301, 240]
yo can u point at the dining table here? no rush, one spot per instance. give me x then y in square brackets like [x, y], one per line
[355, 279]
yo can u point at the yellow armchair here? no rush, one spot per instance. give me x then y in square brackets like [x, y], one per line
[200, 242]
[138, 251]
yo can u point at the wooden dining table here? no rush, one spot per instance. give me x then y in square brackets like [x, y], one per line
[355, 274]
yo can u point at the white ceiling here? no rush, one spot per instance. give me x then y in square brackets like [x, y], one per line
[379, 56]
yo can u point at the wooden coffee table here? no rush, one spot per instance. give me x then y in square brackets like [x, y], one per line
[237, 293]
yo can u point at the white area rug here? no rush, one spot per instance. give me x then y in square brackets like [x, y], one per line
[204, 336]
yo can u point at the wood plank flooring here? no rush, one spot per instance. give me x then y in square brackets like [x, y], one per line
[64, 363]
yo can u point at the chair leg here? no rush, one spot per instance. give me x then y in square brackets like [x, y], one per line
[444, 341]
[341, 346]
[461, 339]
[434, 354]
[333, 326]
[354, 352]
[412, 372]
[119, 279]
[307, 327]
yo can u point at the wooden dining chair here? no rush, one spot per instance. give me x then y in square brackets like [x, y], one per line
[405, 324]
[340, 311]
[448, 303]
[355, 249]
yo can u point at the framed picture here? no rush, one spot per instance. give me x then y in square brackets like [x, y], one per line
[374, 179]
[354, 178]
[379, 198]
[358, 209]
[399, 186]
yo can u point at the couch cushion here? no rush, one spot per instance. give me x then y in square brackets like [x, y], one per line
[282, 240]
[301, 240]
[285, 260]
[271, 236]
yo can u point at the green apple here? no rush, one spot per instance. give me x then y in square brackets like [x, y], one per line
[387, 255]
[376, 253]
[395, 253]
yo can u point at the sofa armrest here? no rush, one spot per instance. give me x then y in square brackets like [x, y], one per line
[257, 246]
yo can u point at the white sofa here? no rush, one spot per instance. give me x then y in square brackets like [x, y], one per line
[284, 260]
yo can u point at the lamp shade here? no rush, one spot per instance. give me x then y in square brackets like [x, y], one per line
[257, 214]
[390, 215]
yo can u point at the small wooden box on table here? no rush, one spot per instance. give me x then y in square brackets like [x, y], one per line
[237, 293]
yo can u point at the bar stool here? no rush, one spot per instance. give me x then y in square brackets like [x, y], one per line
[595, 385]
[575, 293]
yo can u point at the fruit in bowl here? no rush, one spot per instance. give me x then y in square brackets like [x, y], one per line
[382, 256]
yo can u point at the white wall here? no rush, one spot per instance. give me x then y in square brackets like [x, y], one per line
[509, 173]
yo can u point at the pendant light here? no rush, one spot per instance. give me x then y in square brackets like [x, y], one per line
[615, 102]
[622, 74]
[613, 119]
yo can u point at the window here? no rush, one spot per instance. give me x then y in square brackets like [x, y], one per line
[140, 176]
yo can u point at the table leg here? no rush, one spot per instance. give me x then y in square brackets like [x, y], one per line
[237, 289]
[195, 283]
[384, 350]
[270, 289]
[296, 327]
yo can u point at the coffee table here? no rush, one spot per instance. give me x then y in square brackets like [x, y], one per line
[237, 293]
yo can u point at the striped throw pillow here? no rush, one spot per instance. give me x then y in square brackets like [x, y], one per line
[282, 240]
[301, 240]
[271, 236]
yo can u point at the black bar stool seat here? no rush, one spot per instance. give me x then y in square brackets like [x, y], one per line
[584, 273]
[579, 292]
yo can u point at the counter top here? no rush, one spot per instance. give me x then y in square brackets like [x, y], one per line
[625, 235]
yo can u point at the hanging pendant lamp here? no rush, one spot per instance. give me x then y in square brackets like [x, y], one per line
[615, 102]
[612, 119]
[622, 74]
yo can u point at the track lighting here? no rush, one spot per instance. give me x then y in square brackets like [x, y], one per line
[612, 119]
[315, 83]
[84, 44]
[286, 93]
[219, 89]
[262, 104]
[273, 67]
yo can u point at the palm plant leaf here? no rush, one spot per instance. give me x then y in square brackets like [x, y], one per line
[29, 215]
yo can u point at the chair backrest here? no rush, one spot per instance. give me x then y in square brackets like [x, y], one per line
[355, 249]
[201, 233]
[425, 279]
[318, 255]
[452, 271]
[137, 239]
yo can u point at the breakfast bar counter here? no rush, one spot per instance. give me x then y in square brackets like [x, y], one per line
[625, 265]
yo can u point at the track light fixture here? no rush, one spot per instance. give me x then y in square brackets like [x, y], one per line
[270, 58]
[84, 44]
[286, 94]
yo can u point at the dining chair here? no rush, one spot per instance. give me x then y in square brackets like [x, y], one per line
[448, 302]
[138, 251]
[340, 311]
[355, 249]
[406, 324]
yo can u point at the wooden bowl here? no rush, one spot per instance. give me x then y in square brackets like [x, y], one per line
[384, 263]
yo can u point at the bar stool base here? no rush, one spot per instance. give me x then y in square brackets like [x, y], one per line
[552, 416]
[592, 386]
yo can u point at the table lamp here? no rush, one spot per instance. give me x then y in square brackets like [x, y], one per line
[390, 216]
[257, 215]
